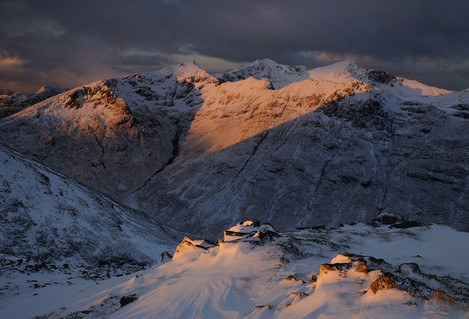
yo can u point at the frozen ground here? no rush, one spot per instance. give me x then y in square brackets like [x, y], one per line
[359, 271]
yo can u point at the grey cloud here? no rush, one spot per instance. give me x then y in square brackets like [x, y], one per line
[90, 36]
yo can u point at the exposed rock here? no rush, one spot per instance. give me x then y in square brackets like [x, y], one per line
[381, 77]
[299, 294]
[383, 283]
[259, 307]
[252, 231]
[406, 224]
[325, 268]
[165, 256]
[125, 300]
[386, 219]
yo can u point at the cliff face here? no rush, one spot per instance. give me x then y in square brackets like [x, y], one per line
[327, 146]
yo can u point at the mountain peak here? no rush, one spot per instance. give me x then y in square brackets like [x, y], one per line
[280, 75]
[265, 62]
[188, 71]
[339, 72]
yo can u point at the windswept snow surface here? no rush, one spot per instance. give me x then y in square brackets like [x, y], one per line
[360, 271]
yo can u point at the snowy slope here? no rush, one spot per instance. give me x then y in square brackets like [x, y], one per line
[360, 271]
[11, 103]
[48, 220]
[405, 90]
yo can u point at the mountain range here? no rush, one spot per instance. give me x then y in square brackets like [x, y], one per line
[99, 184]
[286, 145]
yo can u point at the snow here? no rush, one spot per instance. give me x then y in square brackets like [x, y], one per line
[241, 279]
[340, 72]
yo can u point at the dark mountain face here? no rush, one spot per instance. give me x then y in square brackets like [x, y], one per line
[48, 219]
[332, 145]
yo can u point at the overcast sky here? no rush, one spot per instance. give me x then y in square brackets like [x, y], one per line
[70, 43]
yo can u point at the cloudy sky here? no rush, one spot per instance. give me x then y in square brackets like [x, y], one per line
[69, 43]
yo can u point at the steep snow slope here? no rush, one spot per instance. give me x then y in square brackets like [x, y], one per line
[48, 220]
[340, 144]
[361, 271]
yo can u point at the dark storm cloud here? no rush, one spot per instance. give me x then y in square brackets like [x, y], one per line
[90, 39]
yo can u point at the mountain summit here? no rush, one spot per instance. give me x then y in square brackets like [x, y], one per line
[272, 142]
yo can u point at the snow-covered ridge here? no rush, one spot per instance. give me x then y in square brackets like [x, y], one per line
[119, 126]
[361, 270]
[279, 75]
[11, 103]
[49, 220]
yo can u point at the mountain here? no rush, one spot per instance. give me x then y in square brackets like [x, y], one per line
[286, 145]
[279, 75]
[391, 269]
[11, 102]
[48, 220]
[342, 146]
[111, 134]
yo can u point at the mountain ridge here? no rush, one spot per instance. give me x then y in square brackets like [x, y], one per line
[186, 146]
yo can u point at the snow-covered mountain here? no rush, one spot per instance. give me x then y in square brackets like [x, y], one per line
[391, 268]
[342, 146]
[332, 145]
[279, 75]
[11, 102]
[48, 220]
[112, 134]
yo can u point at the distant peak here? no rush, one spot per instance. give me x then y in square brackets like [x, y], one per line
[189, 64]
[48, 89]
[338, 72]
[188, 71]
[264, 62]
[348, 64]
[279, 75]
